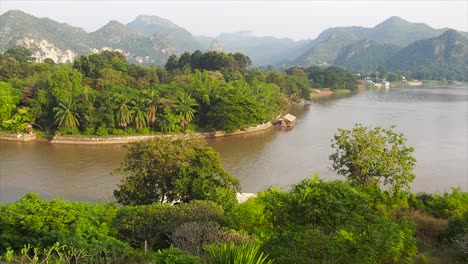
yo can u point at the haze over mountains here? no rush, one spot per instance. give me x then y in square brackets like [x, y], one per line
[151, 40]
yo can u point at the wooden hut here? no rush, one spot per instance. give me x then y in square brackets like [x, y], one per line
[287, 121]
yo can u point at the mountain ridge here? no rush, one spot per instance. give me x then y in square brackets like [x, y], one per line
[150, 39]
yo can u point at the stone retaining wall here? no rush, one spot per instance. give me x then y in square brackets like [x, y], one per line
[18, 137]
[126, 139]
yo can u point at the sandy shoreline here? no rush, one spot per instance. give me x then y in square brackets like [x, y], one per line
[96, 140]
[325, 92]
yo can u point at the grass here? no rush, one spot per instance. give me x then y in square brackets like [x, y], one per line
[342, 92]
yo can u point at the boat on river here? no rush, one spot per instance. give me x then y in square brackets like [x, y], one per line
[287, 120]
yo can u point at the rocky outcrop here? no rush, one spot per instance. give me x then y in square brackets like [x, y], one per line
[43, 49]
[217, 45]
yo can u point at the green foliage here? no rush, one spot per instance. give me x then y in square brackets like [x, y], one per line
[448, 205]
[8, 101]
[365, 55]
[211, 60]
[194, 236]
[19, 53]
[164, 170]
[371, 157]
[236, 254]
[86, 227]
[332, 221]
[175, 255]
[19, 121]
[439, 58]
[235, 111]
[65, 115]
[249, 216]
[331, 77]
[104, 90]
[456, 226]
[150, 223]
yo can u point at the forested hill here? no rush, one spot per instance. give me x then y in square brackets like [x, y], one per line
[394, 31]
[445, 56]
[61, 42]
[154, 25]
[365, 55]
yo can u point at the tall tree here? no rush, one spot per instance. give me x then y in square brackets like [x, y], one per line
[124, 112]
[163, 170]
[65, 115]
[151, 99]
[185, 107]
[140, 114]
[371, 157]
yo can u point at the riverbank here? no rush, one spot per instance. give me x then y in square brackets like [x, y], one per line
[18, 137]
[327, 92]
[94, 140]
[321, 93]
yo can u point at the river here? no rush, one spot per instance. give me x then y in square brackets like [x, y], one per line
[434, 120]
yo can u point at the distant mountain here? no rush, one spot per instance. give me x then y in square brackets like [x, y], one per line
[261, 50]
[138, 48]
[445, 55]
[324, 53]
[47, 38]
[365, 55]
[151, 40]
[398, 31]
[180, 37]
[393, 31]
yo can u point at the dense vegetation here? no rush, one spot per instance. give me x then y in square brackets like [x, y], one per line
[441, 58]
[102, 94]
[314, 221]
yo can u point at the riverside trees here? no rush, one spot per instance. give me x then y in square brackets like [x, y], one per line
[163, 170]
[371, 157]
[102, 94]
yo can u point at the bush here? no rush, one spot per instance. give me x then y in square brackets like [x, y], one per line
[89, 131]
[236, 254]
[192, 237]
[118, 132]
[102, 131]
[175, 255]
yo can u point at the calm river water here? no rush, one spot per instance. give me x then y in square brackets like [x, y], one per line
[434, 120]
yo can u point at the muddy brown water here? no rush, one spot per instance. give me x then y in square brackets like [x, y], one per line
[434, 120]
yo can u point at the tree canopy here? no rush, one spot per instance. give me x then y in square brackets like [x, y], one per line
[162, 170]
[371, 157]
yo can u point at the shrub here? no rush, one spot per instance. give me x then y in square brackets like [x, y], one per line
[192, 237]
[175, 255]
[102, 131]
[89, 131]
[236, 254]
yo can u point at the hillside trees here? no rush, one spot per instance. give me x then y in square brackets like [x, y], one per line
[211, 61]
[331, 77]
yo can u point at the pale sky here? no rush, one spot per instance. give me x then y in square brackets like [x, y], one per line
[292, 19]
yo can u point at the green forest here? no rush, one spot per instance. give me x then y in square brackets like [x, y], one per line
[177, 204]
[102, 94]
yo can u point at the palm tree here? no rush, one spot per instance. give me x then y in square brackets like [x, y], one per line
[152, 102]
[65, 116]
[140, 116]
[124, 113]
[184, 106]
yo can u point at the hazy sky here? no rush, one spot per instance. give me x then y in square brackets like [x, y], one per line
[293, 19]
